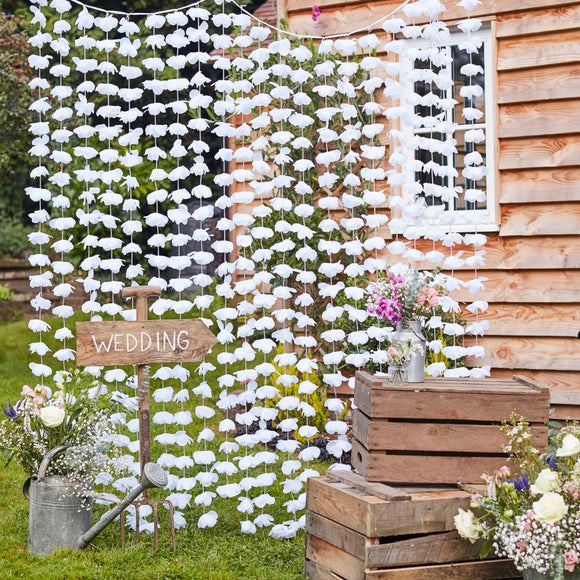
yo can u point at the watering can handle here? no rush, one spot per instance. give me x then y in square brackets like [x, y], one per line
[47, 459]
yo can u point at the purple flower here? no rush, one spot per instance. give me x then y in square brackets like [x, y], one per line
[11, 411]
[316, 12]
[521, 483]
[551, 462]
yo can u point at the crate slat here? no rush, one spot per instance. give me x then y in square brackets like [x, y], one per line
[439, 548]
[453, 437]
[402, 468]
[484, 570]
[333, 558]
[497, 570]
[426, 512]
[336, 534]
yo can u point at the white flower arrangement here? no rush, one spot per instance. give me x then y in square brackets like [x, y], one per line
[534, 517]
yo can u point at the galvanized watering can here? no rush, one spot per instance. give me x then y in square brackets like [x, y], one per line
[413, 332]
[59, 519]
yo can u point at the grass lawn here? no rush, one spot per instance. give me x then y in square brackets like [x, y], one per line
[220, 553]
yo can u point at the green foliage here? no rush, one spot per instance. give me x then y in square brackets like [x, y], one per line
[5, 293]
[15, 97]
[316, 400]
[13, 236]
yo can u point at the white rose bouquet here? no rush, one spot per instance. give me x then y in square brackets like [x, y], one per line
[532, 515]
[72, 413]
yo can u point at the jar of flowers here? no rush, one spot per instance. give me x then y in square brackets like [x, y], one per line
[531, 512]
[398, 358]
[405, 300]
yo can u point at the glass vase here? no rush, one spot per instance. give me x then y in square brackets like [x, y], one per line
[398, 374]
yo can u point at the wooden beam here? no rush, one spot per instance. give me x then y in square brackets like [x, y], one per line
[533, 286]
[421, 550]
[541, 84]
[544, 219]
[349, 567]
[542, 50]
[558, 381]
[352, 11]
[520, 253]
[540, 185]
[555, 354]
[557, 320]
[542, 118]
[336, 534]
[484, 570]
[426, 436]
[539, 21]
[530, 153]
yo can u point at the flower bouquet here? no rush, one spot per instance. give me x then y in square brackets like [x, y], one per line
[532, 515]
[74, 416]
[402, 298]
[398, 358]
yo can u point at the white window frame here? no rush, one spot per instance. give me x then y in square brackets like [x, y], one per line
[490, 217]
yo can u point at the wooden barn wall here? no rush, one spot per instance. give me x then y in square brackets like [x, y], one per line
[533, 263]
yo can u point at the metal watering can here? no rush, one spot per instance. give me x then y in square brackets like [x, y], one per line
[59, 519]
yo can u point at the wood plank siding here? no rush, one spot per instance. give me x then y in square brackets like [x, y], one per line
[533, 263]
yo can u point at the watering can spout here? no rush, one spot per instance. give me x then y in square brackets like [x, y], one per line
[153, 476]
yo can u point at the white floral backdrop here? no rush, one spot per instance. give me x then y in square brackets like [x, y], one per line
[92, 141]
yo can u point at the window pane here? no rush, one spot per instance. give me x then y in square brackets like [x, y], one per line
[427, 175]
[423, 88]
[460, 58]
[462, 150]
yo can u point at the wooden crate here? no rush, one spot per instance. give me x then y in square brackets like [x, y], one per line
[356, 530]
[442, 430]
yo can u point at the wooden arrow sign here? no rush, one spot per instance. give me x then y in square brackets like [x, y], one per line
[142, 342]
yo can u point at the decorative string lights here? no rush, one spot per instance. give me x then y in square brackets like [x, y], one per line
[300, 198]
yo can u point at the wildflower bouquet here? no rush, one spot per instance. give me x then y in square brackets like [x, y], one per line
[532, 516]
[402, 298]
[74, 415]
[401, 354]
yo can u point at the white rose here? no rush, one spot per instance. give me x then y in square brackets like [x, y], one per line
[570, 446]
[550, 508]
[547, 480]
[466, 524]
[52, 416]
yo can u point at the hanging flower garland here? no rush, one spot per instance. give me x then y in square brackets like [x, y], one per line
[136, 125]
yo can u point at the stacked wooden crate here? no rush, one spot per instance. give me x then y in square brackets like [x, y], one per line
[442, 430]
[358, 530]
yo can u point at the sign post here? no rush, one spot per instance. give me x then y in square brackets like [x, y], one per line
[141, 293]
[143, 342]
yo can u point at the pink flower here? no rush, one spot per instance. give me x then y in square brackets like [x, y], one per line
[522, 545]
[26, 390]
[571, 559]
[35, 412]
[316, 12]
[392, 351]
[38, 400]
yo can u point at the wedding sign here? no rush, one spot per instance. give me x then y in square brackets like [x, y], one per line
[142, 342]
